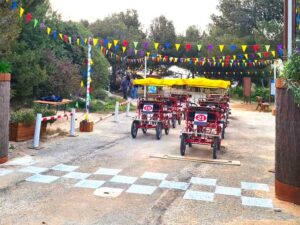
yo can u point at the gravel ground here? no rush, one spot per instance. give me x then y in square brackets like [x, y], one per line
[249, 139]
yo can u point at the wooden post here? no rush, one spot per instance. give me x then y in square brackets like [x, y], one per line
[4, 116]
[287, 184]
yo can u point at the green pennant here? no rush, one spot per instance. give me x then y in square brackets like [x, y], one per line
[35, 23]
[70, 40]
[267, 47]
[76, 105]
[135, 44]
[199, 47]
[259, 54]
[135, 51]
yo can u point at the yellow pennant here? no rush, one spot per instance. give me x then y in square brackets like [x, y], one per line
[124, 48]
[273, 53]
[234, 57]
[244, 47]
[109, 45]
[156, 44]
[60, 35]
[221, 48]
[176, 60]
[95, 41]
[223, 64]
[48, 30]
[85, 41]
[90, 80]
[21, 12]
[116, 42]
[101, 49]
[148, 54]
[78, 41]
[177, 46]
[86, 117]
[246, 56]
[82, 84]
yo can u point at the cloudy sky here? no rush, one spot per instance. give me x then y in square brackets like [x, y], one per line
[182, 13]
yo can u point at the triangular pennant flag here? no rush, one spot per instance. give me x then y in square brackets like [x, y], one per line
[14, 5]
[124, 48]
[232, 47]
[168, 45]
[259, 54]
[35, 23]
[85, 41]
[199, 47]
[78, 41]
[135, 51]
[28, 18]
[273, 53]
[135, 43]
[48, 30]
[125, 43]
[109, 45]
[70, 40]
[54, 35]
[244, 47]
[221, 48]
[234, 57]
[92, 62]
[95, 41]
[188, 47]
[267, 47]
[256, 48]
[116, 42]
[21, 11]
[177, 46]
[82, 84]
[148, 54]
[60, 35]
[156, 44]
[246, 56]
[116, 48]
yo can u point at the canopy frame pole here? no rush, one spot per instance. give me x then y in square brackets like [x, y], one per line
[145, 87]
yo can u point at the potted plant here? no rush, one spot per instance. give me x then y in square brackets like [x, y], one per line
[291, 76]
[22, 123]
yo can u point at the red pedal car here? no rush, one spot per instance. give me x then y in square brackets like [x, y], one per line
[203, 126]
[151, 115]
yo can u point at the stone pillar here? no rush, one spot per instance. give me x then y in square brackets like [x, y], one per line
[4, 116]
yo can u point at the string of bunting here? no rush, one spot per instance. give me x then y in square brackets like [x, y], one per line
[117, 45]
[230, 73]
[239, 60]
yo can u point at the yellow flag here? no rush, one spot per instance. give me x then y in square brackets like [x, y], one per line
[124, 48]
[90, 80]
[221, 48]
[92, 62]
[78, 41]
[176, 60]
[86, 117]
[156, 44]
[223, 64]
[244, 47]
[21, 12]
[82, 84]
[85, 41]
[234, 57]
[48, 30]
[148, 54]
[116, 42]
[109, 45]
[273, 53]
[60, 35]
[177, 46]
[246, 56]
[95, 41]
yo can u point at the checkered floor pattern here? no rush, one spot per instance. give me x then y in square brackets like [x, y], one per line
[107, 185]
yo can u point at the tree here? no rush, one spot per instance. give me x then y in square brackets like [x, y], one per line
[162, 30]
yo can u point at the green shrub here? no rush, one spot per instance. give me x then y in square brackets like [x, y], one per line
[44, 111]
[96, 106]
[291, 69]
[238, 91]
[22, 116]
[261, 91]
[5, 66]
[100, 94]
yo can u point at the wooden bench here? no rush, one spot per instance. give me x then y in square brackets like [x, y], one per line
[262, 106]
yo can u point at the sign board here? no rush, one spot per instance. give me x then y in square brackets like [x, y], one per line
[152, 90]
[148, 108]
[200, 118]
[273, 89]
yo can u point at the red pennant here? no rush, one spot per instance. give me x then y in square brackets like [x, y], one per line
[125, 43]
[188, 47]
[28, 18]
[90, 90]
[256, 48]
[66, 39]
[266, 54]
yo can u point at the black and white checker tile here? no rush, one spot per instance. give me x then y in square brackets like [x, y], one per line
[111, 177]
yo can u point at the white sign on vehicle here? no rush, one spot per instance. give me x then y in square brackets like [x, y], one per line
[148, 108]
[200, 118]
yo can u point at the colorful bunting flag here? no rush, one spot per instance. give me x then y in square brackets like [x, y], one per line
[221, 48]
[124, 48]
[28, 18]
[135, 44]
[48, 30]
[232, 47]
[95, 41]
[109, 45]
[244, 47]
[116, 42]
[177, 46]
[267, 47]
[156, 45]
[21, 11]
[35, 23]
[199, 47]
[188, 47]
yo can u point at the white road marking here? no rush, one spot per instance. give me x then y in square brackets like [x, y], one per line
[203, 181]
[174, 185]
[141, 189]
[154, 176]
[38, 178]
[199, 196]
[77, 175]
[228, 191]
[259, 202]
[107, 171]
[123, 179]
[33, 169]
[255, 186]
[93, 184]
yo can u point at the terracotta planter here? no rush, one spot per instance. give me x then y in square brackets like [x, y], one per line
[281, 83]
[22, 132]
[86, 126]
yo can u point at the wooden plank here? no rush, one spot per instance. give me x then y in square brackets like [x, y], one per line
[194, 159]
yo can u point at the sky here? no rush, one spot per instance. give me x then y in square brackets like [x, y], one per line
[182, 13]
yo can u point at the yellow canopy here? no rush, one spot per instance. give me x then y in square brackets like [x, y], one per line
[196, 82]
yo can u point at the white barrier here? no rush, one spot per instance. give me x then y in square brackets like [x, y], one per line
[117, 112]
[40, 119]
